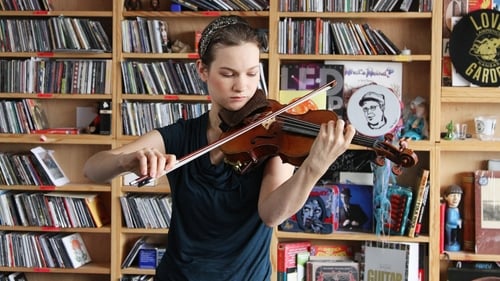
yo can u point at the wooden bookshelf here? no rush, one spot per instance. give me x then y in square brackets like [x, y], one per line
[418, 31]
[456, 157]
[70, 151]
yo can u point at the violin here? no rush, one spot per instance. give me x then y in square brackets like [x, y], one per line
[291, 136]
[263, 129]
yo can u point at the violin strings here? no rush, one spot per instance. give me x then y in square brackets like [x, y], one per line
[311, 129]
[299, 126]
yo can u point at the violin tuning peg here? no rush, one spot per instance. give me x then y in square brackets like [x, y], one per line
[397, 170]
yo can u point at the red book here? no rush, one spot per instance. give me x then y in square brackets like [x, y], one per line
[442, 213]
[61, 131]
[468, 211]
[287, 253]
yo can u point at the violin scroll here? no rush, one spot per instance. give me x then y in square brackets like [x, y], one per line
[402, 157]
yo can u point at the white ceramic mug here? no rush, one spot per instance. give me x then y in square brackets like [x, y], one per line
[485, 126]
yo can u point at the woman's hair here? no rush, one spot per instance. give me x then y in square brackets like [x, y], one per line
[225, 31]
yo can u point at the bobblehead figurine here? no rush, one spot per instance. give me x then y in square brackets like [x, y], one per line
[453, 196]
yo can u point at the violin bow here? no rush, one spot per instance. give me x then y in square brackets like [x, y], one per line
[141, 181]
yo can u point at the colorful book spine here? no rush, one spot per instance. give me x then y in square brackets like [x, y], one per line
[469, 236]
[62, 131]
[442, 214]
[418, 228]
[419, 193]
[287, 258]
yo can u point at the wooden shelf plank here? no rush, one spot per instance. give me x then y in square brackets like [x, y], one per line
[470, 95]
[468, 256]
[92, 268]
[363, 15]
[93, 14]
[57, 138]
[350, 236]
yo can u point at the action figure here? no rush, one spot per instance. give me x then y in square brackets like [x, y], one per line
[453, 196]
[416, 124]
[449, 131]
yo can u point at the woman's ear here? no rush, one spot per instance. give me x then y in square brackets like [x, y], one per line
[202, 70]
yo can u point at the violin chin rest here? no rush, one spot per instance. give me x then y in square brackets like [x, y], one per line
[231, 119]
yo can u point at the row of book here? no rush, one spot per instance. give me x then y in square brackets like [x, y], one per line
[145, 253]
[26, 5]
[53, 34]
[23, 168]
[161, 78]
[297, 36]
[45, 250]
[142, 117]
[143, 35]
[473, 270]
[304, 260]
[361, 39]
[320, 36]
[27, 116]
[55, 76]
[343, 6]
[22, 116]
[224, 5]
[388, 5]
[168, 77]
[146, 211]
[143, 277]
[321, 6]
[52, 209]
[13, 276]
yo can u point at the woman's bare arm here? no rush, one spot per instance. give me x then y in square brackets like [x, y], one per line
[144, 156]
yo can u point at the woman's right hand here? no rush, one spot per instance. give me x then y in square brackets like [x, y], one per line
[149, 162]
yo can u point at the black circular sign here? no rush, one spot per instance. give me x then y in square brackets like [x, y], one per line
[475, 47]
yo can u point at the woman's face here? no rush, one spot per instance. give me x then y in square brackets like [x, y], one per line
[233, 76]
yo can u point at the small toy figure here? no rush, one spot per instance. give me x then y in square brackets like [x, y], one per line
[453, 195]
[449, 131]
[155, 4]
[132, 5]
[180, 47]
[416, 123]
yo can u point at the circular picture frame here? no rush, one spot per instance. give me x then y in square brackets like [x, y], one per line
[374, 110]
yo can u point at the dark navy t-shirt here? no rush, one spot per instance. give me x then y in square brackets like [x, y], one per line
[215, 231]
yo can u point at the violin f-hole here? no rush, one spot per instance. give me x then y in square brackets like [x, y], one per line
[257, 138]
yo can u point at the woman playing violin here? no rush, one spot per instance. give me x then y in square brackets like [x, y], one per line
[222, 221]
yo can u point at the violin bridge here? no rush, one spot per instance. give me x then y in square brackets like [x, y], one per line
[267, 124]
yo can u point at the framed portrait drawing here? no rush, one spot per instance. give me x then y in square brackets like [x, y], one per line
[50, 166]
